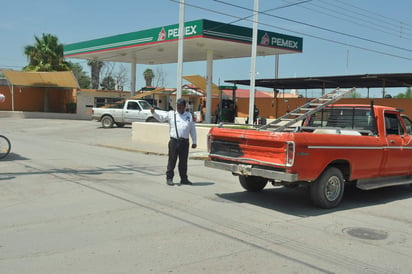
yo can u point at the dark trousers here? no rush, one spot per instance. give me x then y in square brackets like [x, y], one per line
[180, 151]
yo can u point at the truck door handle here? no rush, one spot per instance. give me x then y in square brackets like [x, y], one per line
[391, 141]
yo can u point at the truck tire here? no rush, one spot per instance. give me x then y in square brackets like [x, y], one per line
[252, 183]
[327, 190]
[107, 121]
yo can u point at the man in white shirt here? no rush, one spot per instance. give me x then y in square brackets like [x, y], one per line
[181, 125]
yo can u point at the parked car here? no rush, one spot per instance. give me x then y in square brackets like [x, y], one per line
[125, 113]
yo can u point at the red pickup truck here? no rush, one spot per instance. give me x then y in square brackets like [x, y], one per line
[368, 145]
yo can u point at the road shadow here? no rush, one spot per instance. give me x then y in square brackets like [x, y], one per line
[6, 177]
[115, 127]
[296, 201]
[198, 184]
[13, 157]
[117, 169]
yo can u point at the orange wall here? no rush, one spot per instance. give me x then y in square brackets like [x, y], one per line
[32, 99]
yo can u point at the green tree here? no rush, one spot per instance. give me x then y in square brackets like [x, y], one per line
[45, 55]
[407, 94]
[96, 67]
[108, 83]
[82, 78]
[356, 94]
[148, 77]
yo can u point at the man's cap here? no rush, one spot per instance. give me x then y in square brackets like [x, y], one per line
[181, 101]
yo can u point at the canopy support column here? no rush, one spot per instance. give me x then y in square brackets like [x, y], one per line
[253, 63]
[277, 66]
[209, 81]
[133, 77]
[180, 49]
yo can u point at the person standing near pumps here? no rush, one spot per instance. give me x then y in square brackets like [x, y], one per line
[181, 125]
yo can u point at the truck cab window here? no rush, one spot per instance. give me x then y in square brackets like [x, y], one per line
[133, 105]
[393, 125]
[145, 105]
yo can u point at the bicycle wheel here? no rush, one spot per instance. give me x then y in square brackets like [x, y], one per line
[5, 146]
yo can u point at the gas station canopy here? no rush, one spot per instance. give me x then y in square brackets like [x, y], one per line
[204, 40]
[160, 45]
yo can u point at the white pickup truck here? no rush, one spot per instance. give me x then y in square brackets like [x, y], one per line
[125, 113]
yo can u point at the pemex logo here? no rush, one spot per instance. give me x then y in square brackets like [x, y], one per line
[265, 40]
[162, 35]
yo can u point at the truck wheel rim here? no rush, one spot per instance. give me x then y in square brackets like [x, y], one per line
[332, 189]
[106, 122]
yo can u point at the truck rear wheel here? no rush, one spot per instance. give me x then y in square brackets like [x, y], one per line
[327, 190]
[107, 121]
[252, 183]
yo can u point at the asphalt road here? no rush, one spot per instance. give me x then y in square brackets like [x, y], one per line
[71, 204]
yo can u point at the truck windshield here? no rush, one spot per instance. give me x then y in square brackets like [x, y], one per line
[145, 105]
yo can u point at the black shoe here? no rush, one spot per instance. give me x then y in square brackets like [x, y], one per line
[169, 182]
[186, 182]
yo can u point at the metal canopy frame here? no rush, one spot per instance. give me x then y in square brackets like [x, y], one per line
[386, 80]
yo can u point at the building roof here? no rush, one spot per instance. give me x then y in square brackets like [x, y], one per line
[346, 81]
[160, 45]
[200, 82]
[56, 79]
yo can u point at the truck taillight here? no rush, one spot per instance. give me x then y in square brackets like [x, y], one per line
[290, 153]
[209, 142]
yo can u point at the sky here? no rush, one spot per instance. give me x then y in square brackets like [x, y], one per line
[340, 37]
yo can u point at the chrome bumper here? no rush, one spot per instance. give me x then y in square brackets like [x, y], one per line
[248, 170]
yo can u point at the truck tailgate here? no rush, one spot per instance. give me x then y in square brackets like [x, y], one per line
[248, 146]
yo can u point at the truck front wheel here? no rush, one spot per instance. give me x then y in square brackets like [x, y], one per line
[327, 190]
[252, 183]
[107, 121]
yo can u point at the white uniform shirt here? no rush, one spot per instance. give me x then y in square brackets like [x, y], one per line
[184, 122]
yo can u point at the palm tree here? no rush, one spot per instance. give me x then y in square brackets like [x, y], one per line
[148, 77]
[96, 67]
[45, 55]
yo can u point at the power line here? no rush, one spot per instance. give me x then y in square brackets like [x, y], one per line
[297, 32]
[365, 18]
[354, 20]
[318, 27]
[277, 8]
[379, 17]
